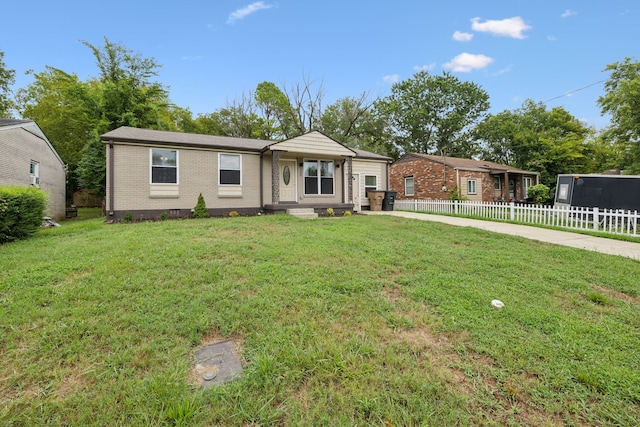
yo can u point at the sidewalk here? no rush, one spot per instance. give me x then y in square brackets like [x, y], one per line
[565, 238]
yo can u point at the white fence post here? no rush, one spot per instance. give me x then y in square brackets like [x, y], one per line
[512, 211]
[455, 207]
[596, 219]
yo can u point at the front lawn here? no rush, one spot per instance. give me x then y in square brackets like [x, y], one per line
[362, 320]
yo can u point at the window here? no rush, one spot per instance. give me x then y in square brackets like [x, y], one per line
[471, 186]
[318, 177]
[370, 183]
[164, 166]
[527, 184]
[497, 184]
[408, 186]
[230, 169]
[34, 172]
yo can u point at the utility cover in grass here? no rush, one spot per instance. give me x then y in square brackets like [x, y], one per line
[216, 364]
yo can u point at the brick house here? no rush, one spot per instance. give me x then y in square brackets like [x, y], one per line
[28, 158]
[425, 176]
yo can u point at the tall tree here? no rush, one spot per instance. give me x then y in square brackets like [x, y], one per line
[537, 139]
[129, 96]
[621, 101]
[353, 122]
[430, 114]
[7, 78]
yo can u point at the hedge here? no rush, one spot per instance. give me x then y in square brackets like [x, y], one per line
[21, 212]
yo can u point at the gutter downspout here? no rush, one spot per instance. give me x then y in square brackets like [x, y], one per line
[344, 180]
[111, 180]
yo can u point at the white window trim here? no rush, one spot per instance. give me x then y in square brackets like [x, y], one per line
[319, 177]
[365, 182]
[151, 166]
[220, 169]
[405, 185]
[475, 186]
[526, 187]
[499, 181]
[35, 176]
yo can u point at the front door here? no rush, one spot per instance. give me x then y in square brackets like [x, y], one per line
[287, 181]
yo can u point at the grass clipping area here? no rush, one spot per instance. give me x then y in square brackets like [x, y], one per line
[337, 321]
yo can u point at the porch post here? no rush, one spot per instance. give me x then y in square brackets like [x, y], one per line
[505, 187]
[350, 180]
[275, 177]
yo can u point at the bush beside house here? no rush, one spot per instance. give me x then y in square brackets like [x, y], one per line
[21, 212]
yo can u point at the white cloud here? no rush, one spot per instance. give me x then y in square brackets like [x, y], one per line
[459, 36]
[427, 67]
[567, 13]
[391, 78]
[503, 71]
[247, 10]
[552, 38]
[467, 62]
[510, 27]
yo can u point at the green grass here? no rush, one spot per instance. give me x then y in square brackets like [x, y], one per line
[365, 320]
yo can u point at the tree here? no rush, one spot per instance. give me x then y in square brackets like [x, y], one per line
[7, 78]
[622, 92]
[128, 96]
[534, 138]
[621, 99]
[433, 114]
[353, 122]
[91, 171]
[65, 108]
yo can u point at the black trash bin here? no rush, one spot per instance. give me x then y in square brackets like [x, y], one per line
[389, 200]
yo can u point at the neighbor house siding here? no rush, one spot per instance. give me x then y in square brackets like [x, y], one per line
[369, 167]
[18, 148]
[197, 173]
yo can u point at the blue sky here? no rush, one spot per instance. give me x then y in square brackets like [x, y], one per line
[214, 51]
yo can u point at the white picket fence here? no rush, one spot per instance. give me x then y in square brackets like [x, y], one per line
[592, 219]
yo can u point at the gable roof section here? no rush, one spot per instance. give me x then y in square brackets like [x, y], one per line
[469, 164]
[313, 142]
[31, 127]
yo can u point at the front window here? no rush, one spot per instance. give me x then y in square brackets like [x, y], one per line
[318, 177]
[471, 186]
[408, 186]
[497, 184]
[164, 166]
[230, 169]
[34, 172]
[370, 184]
[527, 184]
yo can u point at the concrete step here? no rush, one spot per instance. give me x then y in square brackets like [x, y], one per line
[305, 213]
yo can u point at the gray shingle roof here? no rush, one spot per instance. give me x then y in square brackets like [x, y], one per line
[461, 163]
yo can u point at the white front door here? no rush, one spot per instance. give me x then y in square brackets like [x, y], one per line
[287, 181]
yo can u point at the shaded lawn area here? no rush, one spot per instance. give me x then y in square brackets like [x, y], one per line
[340, 321]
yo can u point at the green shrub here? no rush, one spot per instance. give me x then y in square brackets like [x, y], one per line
[347, 213]
[21, 212]
[164, 216]
[201, 211]
[128, 217]
[540, 193]
[233, 213]
[330, 212]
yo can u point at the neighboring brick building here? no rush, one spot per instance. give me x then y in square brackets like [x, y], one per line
[28, 158]
[424, 176]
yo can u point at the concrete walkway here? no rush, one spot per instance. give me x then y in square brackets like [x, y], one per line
[565, 238]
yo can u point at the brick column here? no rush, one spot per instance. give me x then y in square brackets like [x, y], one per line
[275, 177]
